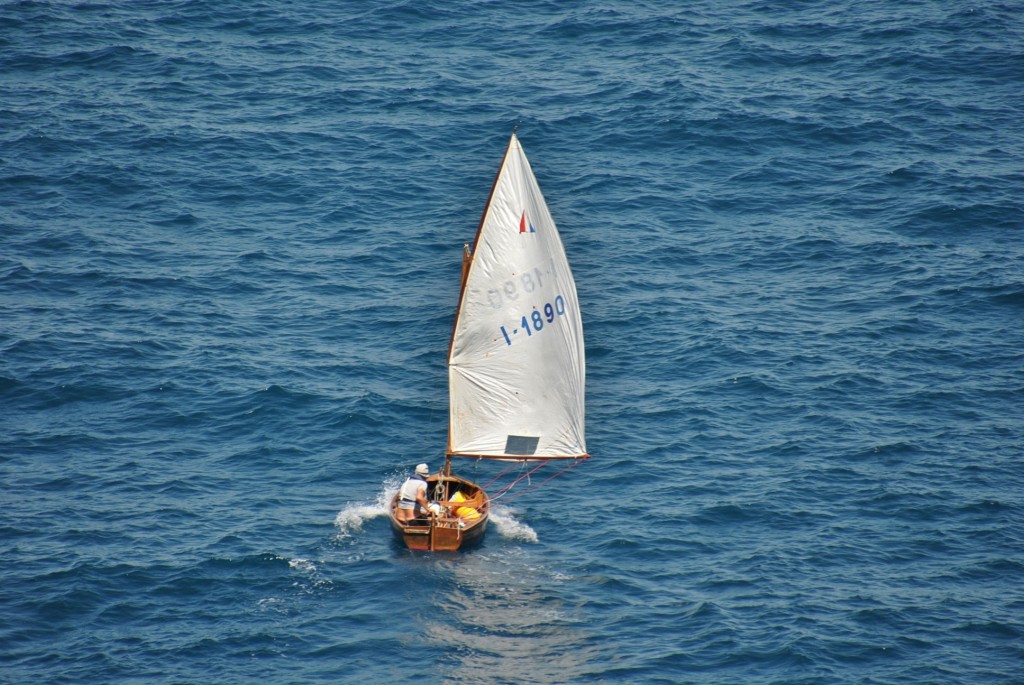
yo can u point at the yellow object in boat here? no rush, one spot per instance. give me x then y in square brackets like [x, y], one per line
[468, 513]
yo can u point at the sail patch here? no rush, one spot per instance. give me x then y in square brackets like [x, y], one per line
[521, 445]
[525, 225]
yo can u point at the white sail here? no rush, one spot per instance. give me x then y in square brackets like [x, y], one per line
[516, 366]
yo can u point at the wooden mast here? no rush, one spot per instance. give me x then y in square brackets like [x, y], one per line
[467, 257]
[467, 260]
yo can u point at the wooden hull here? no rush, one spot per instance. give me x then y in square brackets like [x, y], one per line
[448, 532]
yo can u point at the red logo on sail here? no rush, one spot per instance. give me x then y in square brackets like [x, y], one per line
[525, 226]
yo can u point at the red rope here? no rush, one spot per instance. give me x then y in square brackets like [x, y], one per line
[498, 477]
[525, 475]
[550, 478]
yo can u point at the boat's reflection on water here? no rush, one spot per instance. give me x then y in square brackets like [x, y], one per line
[504, 620]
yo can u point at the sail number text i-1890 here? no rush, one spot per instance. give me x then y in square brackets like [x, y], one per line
[535, 322]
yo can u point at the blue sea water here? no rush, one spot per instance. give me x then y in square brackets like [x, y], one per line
[230, 242]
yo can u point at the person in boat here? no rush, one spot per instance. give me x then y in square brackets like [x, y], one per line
[412, 497]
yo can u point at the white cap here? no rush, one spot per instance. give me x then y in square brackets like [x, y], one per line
[422, 470]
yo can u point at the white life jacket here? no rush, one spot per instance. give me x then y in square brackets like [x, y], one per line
[411, 488]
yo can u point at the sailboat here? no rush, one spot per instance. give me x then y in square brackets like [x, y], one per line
[516, 366]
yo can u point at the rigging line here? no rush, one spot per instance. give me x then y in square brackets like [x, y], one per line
[508, 487]
[570, 466]
[498, 477]
[504, 490]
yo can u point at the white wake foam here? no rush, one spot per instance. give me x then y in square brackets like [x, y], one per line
[351, 518]
[510, 527]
